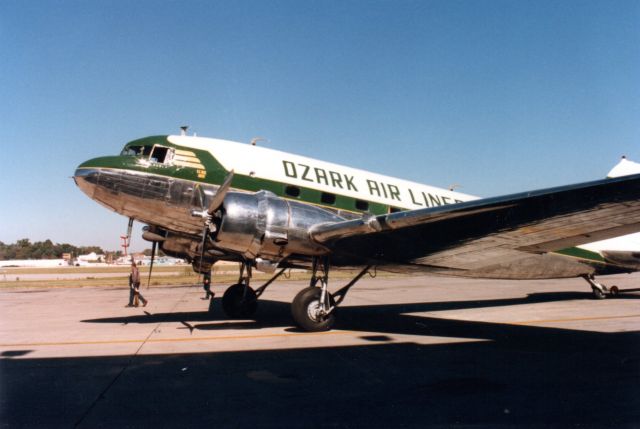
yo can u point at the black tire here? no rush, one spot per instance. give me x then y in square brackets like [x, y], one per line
[239, 301]
[302, 311]
[614, 292]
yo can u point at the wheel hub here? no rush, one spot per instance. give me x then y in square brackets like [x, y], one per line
[315, 311]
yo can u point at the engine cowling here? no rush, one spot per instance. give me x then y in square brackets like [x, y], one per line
[263, 225]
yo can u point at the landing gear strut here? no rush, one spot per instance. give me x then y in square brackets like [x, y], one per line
[313, 308]
[600, 291]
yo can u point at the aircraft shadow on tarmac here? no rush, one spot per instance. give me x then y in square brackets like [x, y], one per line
[390, 318]
[513, 375]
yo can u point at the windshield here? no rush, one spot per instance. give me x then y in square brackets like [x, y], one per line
[142, 151]
[154, 153]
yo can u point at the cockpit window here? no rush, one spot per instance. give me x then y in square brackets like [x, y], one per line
[154, 153]
[142, 151]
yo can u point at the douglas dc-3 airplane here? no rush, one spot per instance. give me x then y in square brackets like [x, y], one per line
[207, 200]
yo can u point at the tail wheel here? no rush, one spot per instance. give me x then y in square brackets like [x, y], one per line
[239, 301]
[307, 310]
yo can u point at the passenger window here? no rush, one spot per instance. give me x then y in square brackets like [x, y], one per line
[292, 191]
[362, 205]
[327, 198]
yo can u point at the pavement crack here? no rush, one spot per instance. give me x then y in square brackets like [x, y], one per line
[124, 369]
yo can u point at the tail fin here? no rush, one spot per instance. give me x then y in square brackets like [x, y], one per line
[624, 168]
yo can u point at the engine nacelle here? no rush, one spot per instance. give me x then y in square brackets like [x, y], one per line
[266, 226]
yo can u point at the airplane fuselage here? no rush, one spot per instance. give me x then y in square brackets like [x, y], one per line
[162, 180]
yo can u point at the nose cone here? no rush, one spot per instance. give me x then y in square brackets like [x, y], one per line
[88, 174]
[86, 179]
[108, 180]
[82, 171]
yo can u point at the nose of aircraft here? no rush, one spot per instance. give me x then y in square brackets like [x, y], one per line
[101, 180]
[86, 178]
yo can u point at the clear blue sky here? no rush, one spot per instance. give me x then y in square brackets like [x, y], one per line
[497, 96]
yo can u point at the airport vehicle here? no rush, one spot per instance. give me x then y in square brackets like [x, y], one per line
[207, 200]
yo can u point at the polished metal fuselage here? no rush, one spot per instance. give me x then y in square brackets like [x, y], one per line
[253, 225]
[152, 199]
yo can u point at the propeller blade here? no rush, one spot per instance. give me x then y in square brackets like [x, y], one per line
[215, 204]
[154, 245]
[218, 198]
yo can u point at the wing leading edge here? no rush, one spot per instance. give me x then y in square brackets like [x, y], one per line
[482, 233]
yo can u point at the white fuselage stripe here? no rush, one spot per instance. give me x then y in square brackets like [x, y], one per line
[274, 165]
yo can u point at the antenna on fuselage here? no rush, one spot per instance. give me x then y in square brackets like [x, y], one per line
[258, 139]
[183, 130]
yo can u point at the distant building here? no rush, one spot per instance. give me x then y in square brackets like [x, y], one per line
[126, 260]
[91, 257]
[162, 260]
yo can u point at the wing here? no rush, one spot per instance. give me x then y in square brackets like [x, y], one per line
[482, 233]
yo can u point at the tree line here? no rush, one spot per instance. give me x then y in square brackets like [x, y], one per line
[25, 249]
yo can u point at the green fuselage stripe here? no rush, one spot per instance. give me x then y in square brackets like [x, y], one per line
[577, 252]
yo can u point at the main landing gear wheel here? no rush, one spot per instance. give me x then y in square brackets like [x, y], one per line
[308, 312]
[239, 301]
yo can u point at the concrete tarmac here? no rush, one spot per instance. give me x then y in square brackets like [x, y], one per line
[405, 352]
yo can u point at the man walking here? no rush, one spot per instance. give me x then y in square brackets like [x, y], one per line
[134, 287]
[206, 285]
